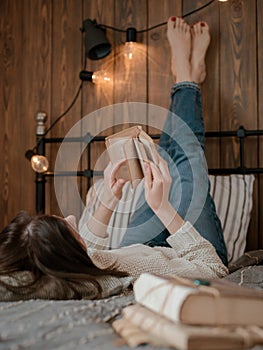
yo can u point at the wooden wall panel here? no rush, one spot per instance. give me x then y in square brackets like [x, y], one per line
[97, 96]
[259, 243]
[26, 30]
[160, 79]
[238, 71]
[239, 86]
[35, 79]
[210, 87]
[10, 31]
[66, 65]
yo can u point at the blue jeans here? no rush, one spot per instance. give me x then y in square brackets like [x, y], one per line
[182, 145]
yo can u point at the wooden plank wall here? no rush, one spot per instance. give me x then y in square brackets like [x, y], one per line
[42, 53]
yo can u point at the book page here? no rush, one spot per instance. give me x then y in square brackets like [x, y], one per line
[150, 149]
[141, 153]
[133, 161]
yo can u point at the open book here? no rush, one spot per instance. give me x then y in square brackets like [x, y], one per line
[134, 145]
[215, 302]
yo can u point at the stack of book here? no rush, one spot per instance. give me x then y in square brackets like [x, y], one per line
[192, 314]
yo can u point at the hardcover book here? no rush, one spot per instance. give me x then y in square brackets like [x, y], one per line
[140, 325]
[134, 145]
[199, 302]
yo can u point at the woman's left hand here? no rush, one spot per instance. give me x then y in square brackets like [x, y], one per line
[112, 185]
[157, 185]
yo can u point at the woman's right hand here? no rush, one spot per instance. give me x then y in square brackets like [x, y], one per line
[157, 188]
[157, 185]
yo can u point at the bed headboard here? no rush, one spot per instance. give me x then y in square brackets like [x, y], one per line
[235, 189]
[240, 135]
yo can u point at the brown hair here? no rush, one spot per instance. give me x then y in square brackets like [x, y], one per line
[45, 246]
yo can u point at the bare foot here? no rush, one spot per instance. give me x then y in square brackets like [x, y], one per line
[200, 43]
[179, 37]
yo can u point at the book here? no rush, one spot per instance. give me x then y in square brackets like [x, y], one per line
[199, 302]
[140, 325]
[134, 145]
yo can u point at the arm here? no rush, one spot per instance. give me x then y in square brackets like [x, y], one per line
[190, 256]
[104, 199]
[111, 195]
[157, 187]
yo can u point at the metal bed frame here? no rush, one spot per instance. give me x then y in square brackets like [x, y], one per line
[40, 180]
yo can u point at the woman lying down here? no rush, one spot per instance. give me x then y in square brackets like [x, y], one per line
[160, 237]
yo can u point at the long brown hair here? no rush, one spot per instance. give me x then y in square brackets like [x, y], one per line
[45, 246]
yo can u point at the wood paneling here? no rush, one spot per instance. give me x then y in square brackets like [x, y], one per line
[65, 65]
[258, 219]
[210, 87]
[25, 88]
[238, 86]
[42, 53]
[97, 96]
[160, 79]
[10, 31]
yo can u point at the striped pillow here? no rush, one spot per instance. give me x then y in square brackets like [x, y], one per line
[233, 200]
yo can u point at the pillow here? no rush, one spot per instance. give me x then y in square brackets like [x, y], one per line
[232, 195]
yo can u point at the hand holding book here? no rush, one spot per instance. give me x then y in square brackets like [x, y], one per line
[112, 185]
[157, 184]
[135, 146]
[143, 160]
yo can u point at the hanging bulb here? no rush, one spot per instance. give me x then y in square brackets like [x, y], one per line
[98, 77]
[39, 163]
[223, 0]
[130, 44]
[129, 50]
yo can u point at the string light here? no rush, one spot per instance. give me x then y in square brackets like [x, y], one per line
[39, 163]
[98, 77]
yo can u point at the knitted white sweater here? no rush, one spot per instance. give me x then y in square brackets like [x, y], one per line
[191, 255]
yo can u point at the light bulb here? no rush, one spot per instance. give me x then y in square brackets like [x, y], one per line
[39, 163]
[100, 77]
[223, 0]
[129, 49]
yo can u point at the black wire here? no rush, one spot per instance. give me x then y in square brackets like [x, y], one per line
[113, 28]
[66, 111]
[60, 116]
[160, 24]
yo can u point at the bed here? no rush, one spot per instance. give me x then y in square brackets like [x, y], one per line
[75, 322]
[86, 324]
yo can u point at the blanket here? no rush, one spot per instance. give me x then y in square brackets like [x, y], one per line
[86, 324]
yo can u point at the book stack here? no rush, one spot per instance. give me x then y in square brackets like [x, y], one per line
[192, 314]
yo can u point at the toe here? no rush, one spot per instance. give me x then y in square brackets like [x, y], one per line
[171, 22]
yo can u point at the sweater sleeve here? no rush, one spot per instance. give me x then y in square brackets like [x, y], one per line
[92, 202]
[191, 256]
[119, 219]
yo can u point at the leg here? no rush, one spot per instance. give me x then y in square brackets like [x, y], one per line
[183, 148]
